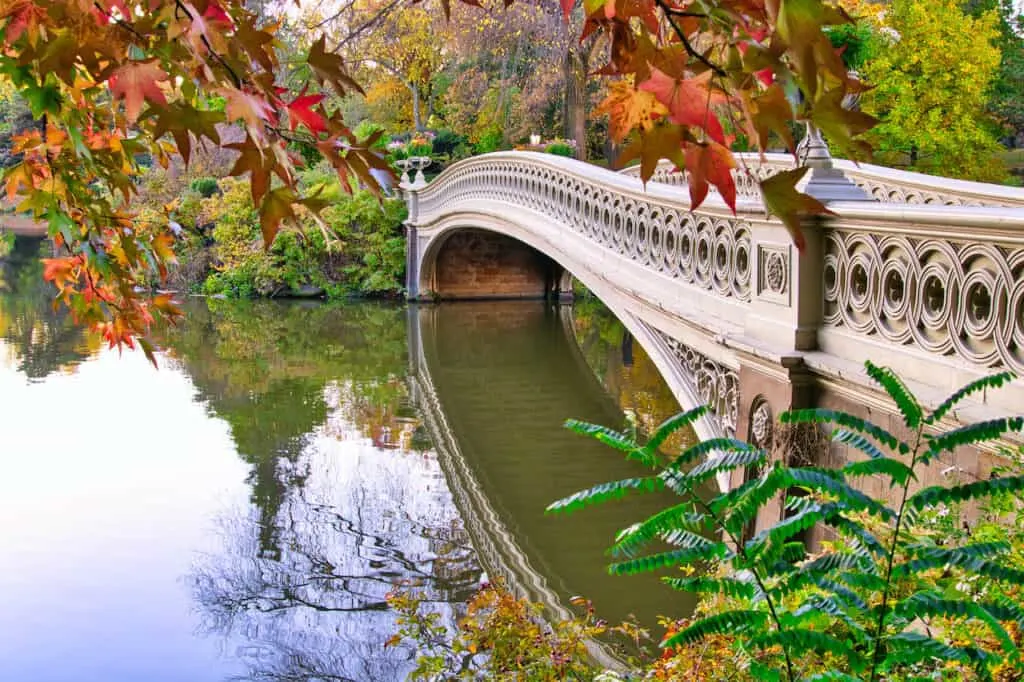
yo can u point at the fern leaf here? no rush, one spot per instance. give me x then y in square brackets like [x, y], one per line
[618, 440]
[679, 516]
[745, 508]
[817, 603]
[726, 461]
[897, 471]
[730, 587]
[979, 432]
[969, 556]
[673, 424]
[828, 482]
[732, 622]
[859, 441]
[837, 561]
[699, 451]
[778, 533]
[856, 533]
[993, 381]
[822, 415]
[898, 391]
[801, 640]
[653, 562]
[863, 580]
[907, 648]
[935, 495]
[923, 605]
[612, 490]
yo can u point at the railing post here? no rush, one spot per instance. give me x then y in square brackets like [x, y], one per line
[410, 192]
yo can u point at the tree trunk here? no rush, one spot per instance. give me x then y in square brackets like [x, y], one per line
[417, 117]
[575, 105]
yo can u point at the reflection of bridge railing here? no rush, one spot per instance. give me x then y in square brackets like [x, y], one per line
[882, 184]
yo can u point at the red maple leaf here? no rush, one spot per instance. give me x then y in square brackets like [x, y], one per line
[710, 163]
[137, 82]
[688, 100]
[300, 110]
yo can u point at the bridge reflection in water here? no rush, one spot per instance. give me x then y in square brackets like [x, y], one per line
[496, 429]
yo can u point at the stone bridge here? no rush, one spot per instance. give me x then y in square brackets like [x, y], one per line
[925, 275]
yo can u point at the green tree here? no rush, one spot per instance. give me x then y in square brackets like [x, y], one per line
[1007, 100]
[932, 85]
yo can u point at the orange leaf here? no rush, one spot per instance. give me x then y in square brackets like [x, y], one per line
[629, 108]
[688, 100]
[137, 82]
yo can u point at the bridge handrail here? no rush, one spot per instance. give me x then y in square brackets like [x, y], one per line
[887, 185]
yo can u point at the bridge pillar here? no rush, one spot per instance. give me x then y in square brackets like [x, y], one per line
[770, 386]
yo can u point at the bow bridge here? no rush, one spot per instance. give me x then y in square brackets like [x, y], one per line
[923, 274]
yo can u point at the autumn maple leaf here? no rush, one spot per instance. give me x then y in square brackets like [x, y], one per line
[790, 206]
[300, 110]
[138, 82]
[710, 163]
[629, 108]
[688, 100]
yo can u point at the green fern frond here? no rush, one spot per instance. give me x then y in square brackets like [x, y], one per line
[605, 491]
[908, 648]
[829, 482]
[936, 495]
[859, 441]
[969, 556]
[822, 415]
[639, 534]
[654, 562]
[993, 381]
[618, 440]
[744, 509]
[817, 603]
[673, 424]
[800, 640]
[838, 561]
[698, 451]
[856, 533]
[898, 391]
[839, 590]
[730, 587]
[897, 471]
[924, 605]
[726, 461]
[734, 622]
[863, 580]
[789, 527]
[979, 432]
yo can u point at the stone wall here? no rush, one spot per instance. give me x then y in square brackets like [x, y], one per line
[482, 264]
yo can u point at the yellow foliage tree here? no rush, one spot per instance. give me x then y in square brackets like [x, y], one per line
[931, 82]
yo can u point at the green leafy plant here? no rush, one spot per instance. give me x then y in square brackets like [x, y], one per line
[884, 599]
[561, 148]
[205, 187]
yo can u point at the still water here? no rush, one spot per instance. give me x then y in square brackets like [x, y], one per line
[242, 512]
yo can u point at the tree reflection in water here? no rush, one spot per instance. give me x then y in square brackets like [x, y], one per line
[347, 501]
[39, 339]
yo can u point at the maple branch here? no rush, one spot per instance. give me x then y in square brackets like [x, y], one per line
[690, 49]
[120, 22]
[234, 76]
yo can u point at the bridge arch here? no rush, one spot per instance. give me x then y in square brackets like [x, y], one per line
[563, 266]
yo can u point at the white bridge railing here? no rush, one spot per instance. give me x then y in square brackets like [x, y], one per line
[882, 184]
[933, 287]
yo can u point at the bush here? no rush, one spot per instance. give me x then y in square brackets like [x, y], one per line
[560, 148]
[887, 598]
[490, 141]
[204, 187]
[448, 143]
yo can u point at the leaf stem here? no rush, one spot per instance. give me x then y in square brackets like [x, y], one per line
[687, 45]
[880, 627]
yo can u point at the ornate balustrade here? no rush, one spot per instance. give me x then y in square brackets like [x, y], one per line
[882, 184]
[943, 281]
[709, 250]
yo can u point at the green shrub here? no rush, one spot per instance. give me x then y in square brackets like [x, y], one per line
[490, 141]
[204, 187]
[887, 599]
[560, 148]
